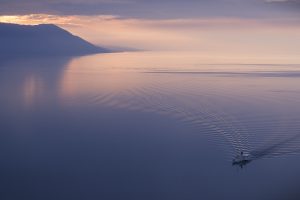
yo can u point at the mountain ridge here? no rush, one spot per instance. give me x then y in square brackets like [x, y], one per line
[43, 40]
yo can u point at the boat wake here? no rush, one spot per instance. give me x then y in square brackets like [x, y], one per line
[257, 122]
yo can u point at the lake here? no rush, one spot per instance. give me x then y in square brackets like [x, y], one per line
[148, 126]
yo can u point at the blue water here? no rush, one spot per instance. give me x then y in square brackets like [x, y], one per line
[111, 126]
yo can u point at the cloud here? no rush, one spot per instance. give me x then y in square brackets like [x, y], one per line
[141, 8]
[62, 7]
[283, 1]
[172, 23]
[290, 5]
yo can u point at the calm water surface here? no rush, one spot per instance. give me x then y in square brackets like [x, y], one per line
[148, 125]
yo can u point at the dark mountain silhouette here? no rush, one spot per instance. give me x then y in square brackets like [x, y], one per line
[42, 40]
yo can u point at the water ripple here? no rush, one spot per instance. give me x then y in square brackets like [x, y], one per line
[250, 117]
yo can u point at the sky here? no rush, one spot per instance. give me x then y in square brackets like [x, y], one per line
[248, 27]
[153, 8]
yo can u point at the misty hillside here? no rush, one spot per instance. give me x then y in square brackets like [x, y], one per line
[42, 40]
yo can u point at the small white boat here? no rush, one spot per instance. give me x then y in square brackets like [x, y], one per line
[242, 159]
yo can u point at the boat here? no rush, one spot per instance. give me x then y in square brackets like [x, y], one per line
[242, 159]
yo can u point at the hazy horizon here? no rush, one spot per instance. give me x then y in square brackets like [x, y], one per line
[235, 28]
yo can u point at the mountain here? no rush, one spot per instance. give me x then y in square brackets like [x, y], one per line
[42, 40]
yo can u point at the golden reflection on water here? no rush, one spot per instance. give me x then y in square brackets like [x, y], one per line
[227, 97]
[180, 61]
[123, 72]
[33, 87]
[99, 73]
